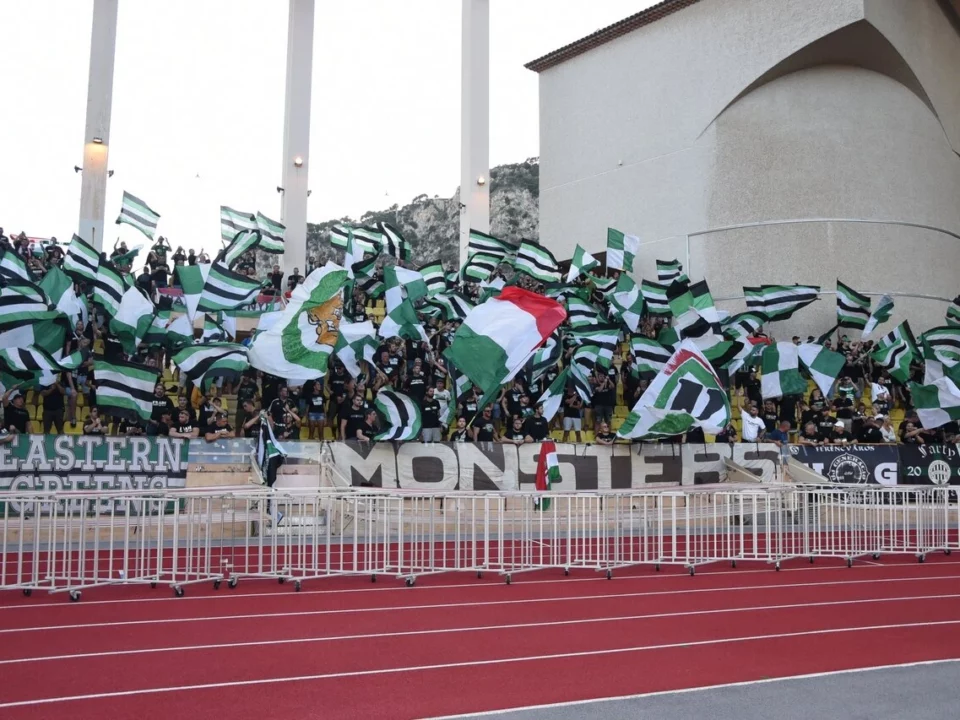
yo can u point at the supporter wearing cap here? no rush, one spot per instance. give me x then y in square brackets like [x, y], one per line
[16, 419]
[840, 436]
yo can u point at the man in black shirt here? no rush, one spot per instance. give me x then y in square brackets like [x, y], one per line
[604, 436]
[368, 428]
[825, 423]
[248, 419]
[537, 428]
[294, 279]
[16, 418]
[869, 433]
[840, 436]
[165, 424]
[483, 428]
[53, 407]
[185, 427]
[221, 430]
[276, 280]
[183, 405]
[280, 405]
[430, 418]
[161, 404]
[770, 416]
[515, 434]
[351, 419]
[417, 382]
[809, 435]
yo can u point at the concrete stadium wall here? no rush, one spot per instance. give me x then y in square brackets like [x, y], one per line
[734, 112]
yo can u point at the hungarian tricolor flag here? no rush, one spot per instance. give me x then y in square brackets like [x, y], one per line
[548, 472]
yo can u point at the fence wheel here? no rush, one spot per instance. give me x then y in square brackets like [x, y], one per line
[27, 592]
[74, 595]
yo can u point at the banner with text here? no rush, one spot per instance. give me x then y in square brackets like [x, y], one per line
[930, 464]
[854, 464]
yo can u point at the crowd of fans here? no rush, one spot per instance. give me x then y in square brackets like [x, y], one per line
[340, 407]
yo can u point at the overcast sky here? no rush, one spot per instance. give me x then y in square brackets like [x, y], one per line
[198, 104]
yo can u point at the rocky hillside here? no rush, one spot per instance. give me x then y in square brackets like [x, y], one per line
[431, 225]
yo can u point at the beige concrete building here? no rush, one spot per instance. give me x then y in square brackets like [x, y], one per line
[765, 141]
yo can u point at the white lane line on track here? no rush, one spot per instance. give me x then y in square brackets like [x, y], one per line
[470, 663]
[685, 691]
[858, 565]
[485, 603]
[476, 628]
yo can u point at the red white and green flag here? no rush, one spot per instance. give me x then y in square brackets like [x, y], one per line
[498, 337]
[548, 472]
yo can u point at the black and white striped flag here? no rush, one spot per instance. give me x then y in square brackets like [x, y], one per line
[400, 415]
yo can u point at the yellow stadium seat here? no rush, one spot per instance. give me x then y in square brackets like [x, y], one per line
[588, 436]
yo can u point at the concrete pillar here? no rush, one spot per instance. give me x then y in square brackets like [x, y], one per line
[474, 120]
[296, 134]
[96, 133]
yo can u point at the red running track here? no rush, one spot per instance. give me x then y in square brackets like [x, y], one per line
[344, 648]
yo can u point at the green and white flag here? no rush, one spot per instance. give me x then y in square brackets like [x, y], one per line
[880, 315]
[108, 287]
[582, 262]
[134, 211]
[953, 312]
[401, 319]
[546, 357]
[434, 277]
[399, 414]
[941, 353]
[14, 266]
[156, 334]
[937, 403]
[604, 337]
[180, 332]
[233, 222]
[580, 313]
[683, 297]
[670, 271]
[125, 260]
[582, 364]
[125, 389]
[686, 394]
[853, 309]
[483, 244]
[81, 260]
[780, 302]
[392, 243]
[356, 343]
[59, 290]
[537, 262]
[780, 368]
[602, 285]
[210, 288]
[655, 295]
[133, 318]
[452, 305]
[650, 356]
[743, 325]
[213, 330]
[553, 395]
[298, 346]
[621, 250]
[239, 245]
[895, 351]
[626, 302]
[480, 266]
[204, 362]
[499, 337]
[271, 234]
[411, 282]
[33, 362]
[824, 365]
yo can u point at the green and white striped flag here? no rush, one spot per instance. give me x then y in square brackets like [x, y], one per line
[298, 346]
[824, 365]
[583, 361]
[480, 266]
[853, 309]
[125, 389]
[670, 271]
[356, 343]
[604, 337]
[271, 234]
[580, 313]
[452, 305]
[498, 337]
[204, 362]
[481, 243]
[134, 211]
[537, 262]
[780, 368]
[240, 244]
[743, 325]
[937, 403]
[547, 356]
[434, 277]
[33, 362]
[215, 287]
[683, 297]
[953, 312]
[233, 222]
[621, 250]
[59, 290]
[880, 315]
[401, 319]
[400, 415]
[626, 302]
[582, 262]
[650, 355]
[14, 266]
[81, 260]
[108, 287]
[686, 394]
[602, 285]
[655, 295]
[180, 332]
[125, 260]
[895, 351]
[156, 334]
[133, 318]
[213, 330]
[941, 347]
[392, 243]
[780, 302]
[553, 395]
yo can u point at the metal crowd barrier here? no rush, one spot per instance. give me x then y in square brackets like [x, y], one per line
[71, 542]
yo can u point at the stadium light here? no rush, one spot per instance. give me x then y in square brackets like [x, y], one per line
[298, 162]
[481, 181]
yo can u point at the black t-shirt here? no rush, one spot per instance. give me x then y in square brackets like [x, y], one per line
[788, 408]
[417, 386]
[276, 279]
[244, 418]
[161, 405]
[217, 428]
[337, 387]
[53, 402]
[277, 410]
[605, 397]
[695, 435]
[163, 429]
[606, 436]
[770, 419]
[485, 430]
[159, 277]
[191, 414]
[841, 435]
[843, 406]
[369, 431]
[537, 428]
[825, 426]
[869, 435]
[188, 428]
[246, 391]
[17, 417]
[813, 437]
[570, 410]
[516, 435]
[430, 414]
[470, 410]
[460, 436]
[513, 402]
[354, 420]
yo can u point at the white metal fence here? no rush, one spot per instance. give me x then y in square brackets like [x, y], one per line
[70, 542]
